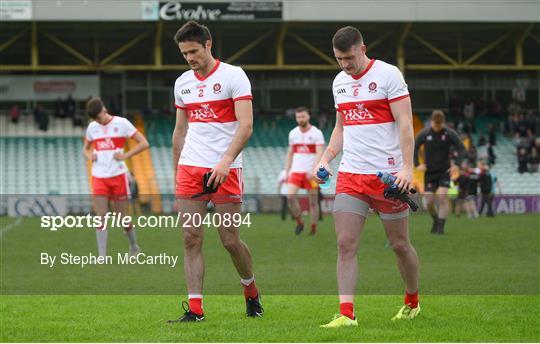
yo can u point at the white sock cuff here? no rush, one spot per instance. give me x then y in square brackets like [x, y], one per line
[248, 281]
[195, 296]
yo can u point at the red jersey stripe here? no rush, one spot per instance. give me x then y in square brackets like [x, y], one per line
[308, 148]
[398, 98]
[366, 112]
[221, 111]
[246, 97]
[108, 143]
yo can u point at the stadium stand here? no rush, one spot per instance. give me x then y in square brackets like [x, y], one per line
[37, 162]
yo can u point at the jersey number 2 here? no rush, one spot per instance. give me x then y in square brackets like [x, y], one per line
[201, 92]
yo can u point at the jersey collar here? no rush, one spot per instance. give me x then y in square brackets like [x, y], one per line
[109, 121]
[202, 78]
[305, 131]
[358, 76]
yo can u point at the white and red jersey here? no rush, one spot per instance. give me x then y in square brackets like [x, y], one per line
[107, 139]
[209, 104]
[304, 147]
[370, 132]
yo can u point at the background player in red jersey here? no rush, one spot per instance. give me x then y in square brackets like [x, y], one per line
[214, 120]
[104, 146]
[306, 144]
[374, 130]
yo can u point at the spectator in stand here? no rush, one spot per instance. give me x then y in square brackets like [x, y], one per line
[513, 108]
[42, 118]
[496, 108]
[70, 107]
[492, 157]
[492, 134]
[454, 106]
[533, 160]
[522, 129]
[511, 125]
[480, 106]
[531, 122]
[59, 111]
[14, 114]
[468, 110]
[522, 159]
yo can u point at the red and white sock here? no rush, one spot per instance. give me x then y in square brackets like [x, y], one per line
[195, 303]
[411, 299]
[250, 288]
[347, 309]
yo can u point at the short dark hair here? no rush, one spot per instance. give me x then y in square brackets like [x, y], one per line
[194, 32]
[346, 37]
[94, 107]
[301, 109]
[437, 116]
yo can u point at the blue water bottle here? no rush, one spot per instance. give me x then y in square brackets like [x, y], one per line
[386, 178]
[323, 175]
[390, 179]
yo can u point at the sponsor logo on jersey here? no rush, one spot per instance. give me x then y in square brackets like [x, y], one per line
[217, 88]
[105, 144]
[341, 91]
[204, 113]
[358, 114]
[372, 87]
[429, 137]
[185, 91]
[303, 149]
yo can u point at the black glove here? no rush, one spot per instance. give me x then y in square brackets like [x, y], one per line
[395, 193]
[206, 189]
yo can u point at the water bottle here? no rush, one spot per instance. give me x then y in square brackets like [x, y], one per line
[386, 178]
[323, 175]
[390, 179]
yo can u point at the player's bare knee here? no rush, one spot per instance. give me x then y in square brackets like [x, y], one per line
[192, 242]
[346, 247]
[232, 246]
[400, 247]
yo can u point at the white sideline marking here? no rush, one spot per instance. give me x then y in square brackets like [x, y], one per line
[10, 226]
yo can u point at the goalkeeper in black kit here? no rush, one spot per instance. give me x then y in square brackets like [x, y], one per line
[438, 140]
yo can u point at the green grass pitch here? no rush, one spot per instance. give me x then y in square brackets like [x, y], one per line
[479, 283]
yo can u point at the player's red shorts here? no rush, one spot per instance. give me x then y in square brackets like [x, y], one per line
[115, 188]
[301, 180]
[368, 188]
[189, 181]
